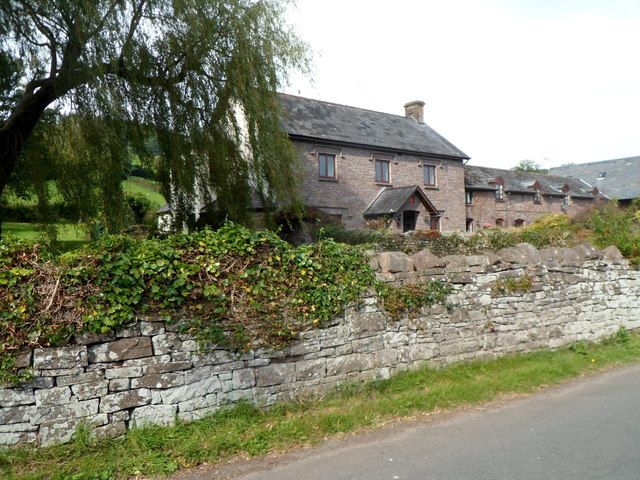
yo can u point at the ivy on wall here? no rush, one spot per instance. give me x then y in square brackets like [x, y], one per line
[236, 287]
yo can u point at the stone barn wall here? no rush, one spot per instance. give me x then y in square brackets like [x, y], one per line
[150, 373]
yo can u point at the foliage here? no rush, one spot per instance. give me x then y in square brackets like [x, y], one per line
[351, 237]
[529, 166]
[9, 373]
[237, 286]
[612, 225]
[142, 210]
[247, 431]
[505, 286]
[550, 230]
[411, 298]
[188, 87]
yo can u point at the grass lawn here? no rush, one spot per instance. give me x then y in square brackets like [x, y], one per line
[248, 430]
[144, 187]
[132, 186]
[69, 236]
[66, 231]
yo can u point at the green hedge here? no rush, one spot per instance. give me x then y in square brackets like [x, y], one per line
[233, 286]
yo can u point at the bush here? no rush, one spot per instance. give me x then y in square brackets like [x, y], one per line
[239, 286]
[551, 230]
[142, 210]
[351, 237]
[612, 225]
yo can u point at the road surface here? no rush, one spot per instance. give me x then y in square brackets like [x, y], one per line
[589, 429]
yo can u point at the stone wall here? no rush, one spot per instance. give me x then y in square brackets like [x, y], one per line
[151, 373]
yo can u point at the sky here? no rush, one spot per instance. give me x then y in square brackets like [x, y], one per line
[506, 80]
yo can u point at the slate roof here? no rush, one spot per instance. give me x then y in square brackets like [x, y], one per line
[390, 200]
[480, 178]
[621, 176]
[316, 119]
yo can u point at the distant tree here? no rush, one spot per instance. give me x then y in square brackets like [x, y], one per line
[198, 76]
[529, 166]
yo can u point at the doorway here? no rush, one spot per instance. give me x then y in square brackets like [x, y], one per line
[409, 220]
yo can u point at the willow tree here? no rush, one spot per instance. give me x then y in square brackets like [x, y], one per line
[198, 77]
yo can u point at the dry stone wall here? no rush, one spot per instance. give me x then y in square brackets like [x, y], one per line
[150, 373]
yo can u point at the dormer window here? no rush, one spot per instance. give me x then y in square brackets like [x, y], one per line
[537, 197]
[500, 192]
[602, 174]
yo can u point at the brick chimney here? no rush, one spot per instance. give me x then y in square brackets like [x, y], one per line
[415, 110]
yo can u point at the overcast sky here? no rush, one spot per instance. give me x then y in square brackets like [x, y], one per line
[504, 80]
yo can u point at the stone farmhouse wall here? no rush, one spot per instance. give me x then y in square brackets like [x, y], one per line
[355, 187]
[485, 209]
[151, 374]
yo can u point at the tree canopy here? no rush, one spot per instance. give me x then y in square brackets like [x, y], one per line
[529, 166]
[85, 83]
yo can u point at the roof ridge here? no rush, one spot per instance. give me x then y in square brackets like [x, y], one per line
[550, 177]
[345, 105]
[635, 157]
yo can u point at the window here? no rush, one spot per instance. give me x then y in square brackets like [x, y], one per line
[468, 197]
[499, 222]
[429, 175]
[602, 174]
[382, 171]
[500, 192]
[518, 223]
[326, 165]
[537, 198]
[566, 201]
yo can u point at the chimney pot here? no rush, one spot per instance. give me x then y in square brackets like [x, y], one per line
[415, 110]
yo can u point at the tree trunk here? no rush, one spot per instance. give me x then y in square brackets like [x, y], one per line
[18, 127]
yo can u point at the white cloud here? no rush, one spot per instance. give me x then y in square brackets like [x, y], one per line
[503, 80]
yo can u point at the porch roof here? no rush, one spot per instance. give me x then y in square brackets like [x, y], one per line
[391, 200]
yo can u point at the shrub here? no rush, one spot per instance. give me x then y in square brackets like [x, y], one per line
[551, 230]
[612, 225]
[238, 286]
[351, 237]
[142, 211]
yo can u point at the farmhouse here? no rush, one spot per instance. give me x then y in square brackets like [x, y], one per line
[364, 167]
[507, 198]
[360, 165]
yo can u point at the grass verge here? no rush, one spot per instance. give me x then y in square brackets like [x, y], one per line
[251, 431]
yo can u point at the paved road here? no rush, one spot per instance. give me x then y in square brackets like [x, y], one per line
[587, 430]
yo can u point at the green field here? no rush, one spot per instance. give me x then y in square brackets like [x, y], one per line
[132, 186]
[147, 188]
[29, 231]
[69, 235]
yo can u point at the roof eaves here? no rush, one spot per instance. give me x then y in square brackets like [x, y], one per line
[378, 148]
